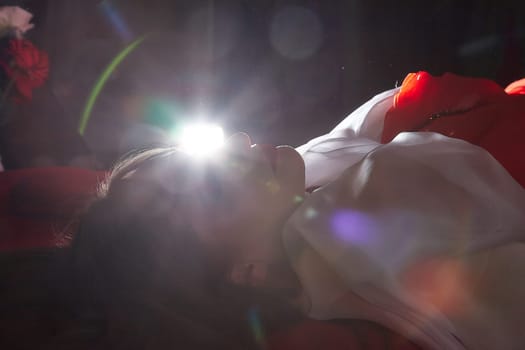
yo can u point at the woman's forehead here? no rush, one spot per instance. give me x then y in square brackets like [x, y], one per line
[173, 171]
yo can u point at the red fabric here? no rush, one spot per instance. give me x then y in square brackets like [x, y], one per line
[350, 335]
[476, 110]
[38, 205]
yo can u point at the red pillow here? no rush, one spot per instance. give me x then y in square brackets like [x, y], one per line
[476, 110]
[38, 205]
[339, 335]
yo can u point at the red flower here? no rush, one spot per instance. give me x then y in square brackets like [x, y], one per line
[28, 67]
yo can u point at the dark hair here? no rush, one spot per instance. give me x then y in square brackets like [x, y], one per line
[146, 281]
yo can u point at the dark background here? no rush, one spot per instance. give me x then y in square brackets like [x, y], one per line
[284, 71]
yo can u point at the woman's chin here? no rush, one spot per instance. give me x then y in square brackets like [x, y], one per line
[290, 170]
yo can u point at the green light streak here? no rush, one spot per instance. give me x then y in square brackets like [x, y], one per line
[99, 85]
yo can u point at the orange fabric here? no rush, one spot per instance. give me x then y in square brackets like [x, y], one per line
[38, 205]
[476, 110]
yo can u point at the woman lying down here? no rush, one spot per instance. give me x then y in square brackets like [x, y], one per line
[422, 235]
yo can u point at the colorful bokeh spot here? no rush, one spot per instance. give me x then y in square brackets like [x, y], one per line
[298, 199]
[257, 328]
[440, 282]
[354, 226]
[162, 114]
[273, 187]
[310, 213]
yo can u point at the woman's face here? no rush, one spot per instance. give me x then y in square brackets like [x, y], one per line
[239, 204]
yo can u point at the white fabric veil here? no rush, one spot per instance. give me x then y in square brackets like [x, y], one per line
[424, 211]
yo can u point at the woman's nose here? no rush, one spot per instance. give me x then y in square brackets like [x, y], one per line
[239, 143]
[239, 139]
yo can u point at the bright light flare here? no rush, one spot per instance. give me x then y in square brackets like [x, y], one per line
[201, 139]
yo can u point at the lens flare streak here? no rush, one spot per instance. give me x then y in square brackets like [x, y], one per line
[115, 19]
[257, 328]
[99, 85]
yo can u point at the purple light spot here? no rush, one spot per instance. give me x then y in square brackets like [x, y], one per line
[353, 226]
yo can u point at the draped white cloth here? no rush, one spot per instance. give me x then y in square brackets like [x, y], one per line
[423, 235]
[327, 156]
